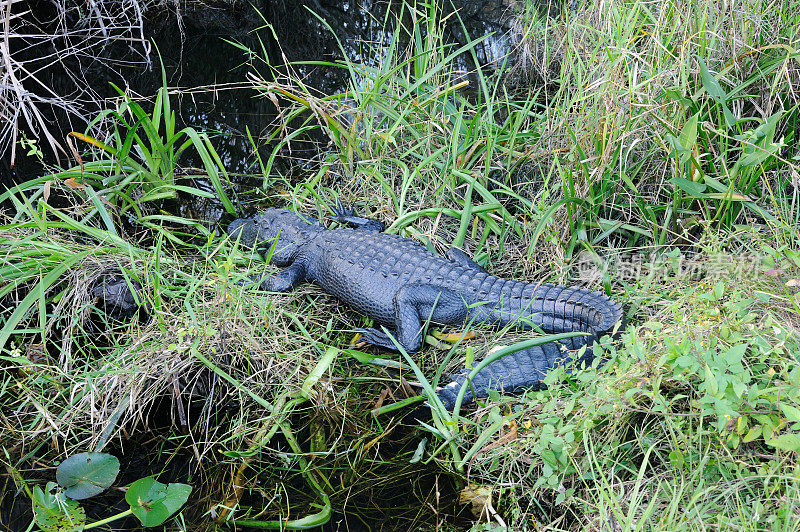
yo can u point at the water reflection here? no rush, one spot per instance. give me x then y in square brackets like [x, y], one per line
[197, 51]
[358, 30]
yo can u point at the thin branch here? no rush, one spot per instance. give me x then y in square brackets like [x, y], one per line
[25, 98]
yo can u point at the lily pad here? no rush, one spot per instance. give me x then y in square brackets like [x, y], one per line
[55, 512]
[153, 502]
[86, 474]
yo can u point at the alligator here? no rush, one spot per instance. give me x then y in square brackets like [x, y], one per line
[400, 284]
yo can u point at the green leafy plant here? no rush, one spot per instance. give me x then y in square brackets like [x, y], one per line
[389, 122]
[138, 164]
[84, 475]
[153, 502]
[32, 146]
[720, 159]
[55, 512]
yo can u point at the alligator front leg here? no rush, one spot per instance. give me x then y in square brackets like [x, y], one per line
[344, 215]
[415, 304]
[284, 280]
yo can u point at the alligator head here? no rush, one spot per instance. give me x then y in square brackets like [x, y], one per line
[283, 229]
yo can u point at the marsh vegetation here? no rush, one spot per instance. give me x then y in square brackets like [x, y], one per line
[647, 149]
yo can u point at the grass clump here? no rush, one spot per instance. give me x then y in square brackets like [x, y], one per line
[651, 136]
[204, 355]
[663, 110]
[656, 161]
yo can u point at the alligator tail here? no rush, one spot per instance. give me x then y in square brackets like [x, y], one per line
[555, 309]
[521, 370]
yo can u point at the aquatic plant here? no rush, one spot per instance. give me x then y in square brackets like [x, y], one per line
[84, 475]
[134, 169]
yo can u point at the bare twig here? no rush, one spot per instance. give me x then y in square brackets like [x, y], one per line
[29, 47]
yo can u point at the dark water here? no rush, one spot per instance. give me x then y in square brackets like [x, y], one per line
[196, 51]
[201, 56]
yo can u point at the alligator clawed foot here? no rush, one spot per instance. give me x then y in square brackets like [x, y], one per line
[250, 280]
[376, 337]
[346, 216]
[340, 212]
[266, 282]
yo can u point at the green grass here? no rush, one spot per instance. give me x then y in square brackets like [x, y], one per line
[656, 139]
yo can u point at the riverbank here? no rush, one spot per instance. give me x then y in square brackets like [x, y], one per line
[647, 150]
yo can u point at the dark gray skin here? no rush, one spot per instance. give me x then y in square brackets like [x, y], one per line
[114, 296]
[400, 284]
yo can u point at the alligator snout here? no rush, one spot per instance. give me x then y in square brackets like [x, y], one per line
[244, 230]
[236, 224]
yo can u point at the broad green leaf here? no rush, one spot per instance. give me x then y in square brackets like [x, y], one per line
[752, 434]
[728, 197]
[719, 289]
[54, 512]
[759, 143]
[735, 354]
[242, 454]
[711, 381]
[177, 495]
[674, 95]
[695, 190]
[792, 413]
[688, 136]
[418, 453]
[675, 142]
[767, 429]
[741, 424]
[794, 256]
[755, 156]
[715, 184]
[368, 358]
[87, 474]
[787, 442]
[711, 84]
[739, 388]
[716, 91]
[153, 502]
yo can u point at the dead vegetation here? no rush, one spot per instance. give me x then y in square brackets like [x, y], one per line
[74, 38]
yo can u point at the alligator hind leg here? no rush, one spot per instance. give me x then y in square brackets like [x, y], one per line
[345, 215]
[415, 304]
